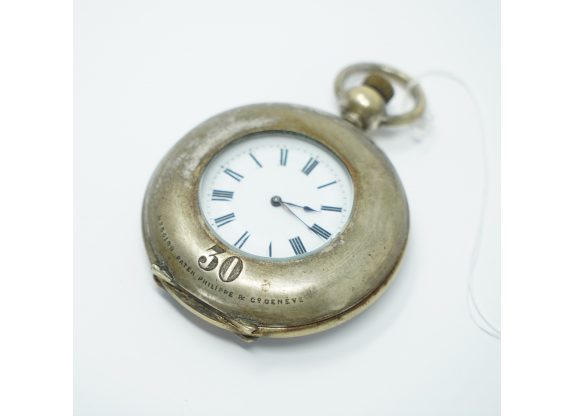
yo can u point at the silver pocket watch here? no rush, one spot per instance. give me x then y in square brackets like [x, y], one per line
[277, 220]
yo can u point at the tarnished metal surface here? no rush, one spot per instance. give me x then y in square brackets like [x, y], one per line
[369, 117]
[282, 298]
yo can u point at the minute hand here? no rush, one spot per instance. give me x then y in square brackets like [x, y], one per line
[291, 212]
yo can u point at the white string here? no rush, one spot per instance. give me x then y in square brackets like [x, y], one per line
[476, 315]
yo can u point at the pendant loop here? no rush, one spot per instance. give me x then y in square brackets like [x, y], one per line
[385, 120]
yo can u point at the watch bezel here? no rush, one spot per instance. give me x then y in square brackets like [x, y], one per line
[287, 133]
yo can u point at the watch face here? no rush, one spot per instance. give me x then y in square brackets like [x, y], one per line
[276, 196]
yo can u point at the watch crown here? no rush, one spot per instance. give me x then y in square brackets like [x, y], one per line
[378, 82]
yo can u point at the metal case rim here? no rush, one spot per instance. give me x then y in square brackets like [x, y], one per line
[375, 182]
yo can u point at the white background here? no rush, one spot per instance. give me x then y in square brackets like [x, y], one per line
[147, 72]
[36, 211]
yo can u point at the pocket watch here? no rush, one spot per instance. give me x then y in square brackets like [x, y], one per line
[277, 220]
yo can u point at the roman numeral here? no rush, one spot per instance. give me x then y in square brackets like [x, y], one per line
[222, 195]
[233, 174]
[270, 249]
[320, 231]
[311, 163]
[327, 184]
[225, 219]
[297, 245]
[334, 209]
[283, 157]
[255, 160]
[242, 240]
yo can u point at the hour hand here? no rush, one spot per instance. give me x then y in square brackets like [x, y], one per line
[305, 208]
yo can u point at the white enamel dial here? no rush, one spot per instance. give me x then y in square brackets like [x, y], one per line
[313, 194]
